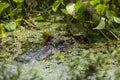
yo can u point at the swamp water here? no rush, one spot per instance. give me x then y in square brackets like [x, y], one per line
[42, 63]
[81, 61]
[53, 61]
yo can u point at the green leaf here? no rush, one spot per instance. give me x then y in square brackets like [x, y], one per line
[101, 9]
[110, 14]
[71, 8]
[39, 18]
[2, 30]
[18, 1]
[78, 5]
[95, 18]
[19, 21]
[3, 6]
[11, 26]
[101, 25]
[94, 2]
[64, 11]
[56, 5]
[14, 11]
[117, 20]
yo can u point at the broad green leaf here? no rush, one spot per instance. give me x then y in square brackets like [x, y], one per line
[39, 18]
[78, 5]
[64, 11]
[71, 8]
[94, 2]
[56, 5]
[77, 17]
[101, 9]
[19, 21]
[11, 26]
[101, 25]
[18, 1]
[3, 6]
[117, 20]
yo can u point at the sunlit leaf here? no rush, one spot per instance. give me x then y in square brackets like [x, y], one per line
[56, 5]
[39, 18]
[101, 8]
[78, 5]
[71, 8]
[94, 2]
[11, 26]
[2, 30]
[18, 1]
[101, 25]
[19, 19]
[117, 20]
[64, 11]
[3, 6]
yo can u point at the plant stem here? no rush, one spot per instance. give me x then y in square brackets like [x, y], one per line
[104, 35]
[114, 35]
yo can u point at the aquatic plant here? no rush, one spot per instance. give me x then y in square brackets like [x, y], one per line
[93, 15]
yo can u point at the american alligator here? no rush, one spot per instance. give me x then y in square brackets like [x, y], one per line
[47, 48]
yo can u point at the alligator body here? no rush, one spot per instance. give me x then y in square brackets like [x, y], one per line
[47, 48]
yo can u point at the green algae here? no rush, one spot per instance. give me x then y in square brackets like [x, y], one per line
[98, 60]
[78, 62]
